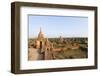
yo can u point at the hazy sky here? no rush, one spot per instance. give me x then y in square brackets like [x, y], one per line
[55, 26]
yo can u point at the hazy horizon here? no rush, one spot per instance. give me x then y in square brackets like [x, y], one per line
[58, 37]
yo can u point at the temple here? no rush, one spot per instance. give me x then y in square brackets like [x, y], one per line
[42, 48]
[44, 45]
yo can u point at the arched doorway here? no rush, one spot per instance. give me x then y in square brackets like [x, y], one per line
[42, 52]
[41, 45]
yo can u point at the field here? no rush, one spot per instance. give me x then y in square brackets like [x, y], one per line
[63, 48]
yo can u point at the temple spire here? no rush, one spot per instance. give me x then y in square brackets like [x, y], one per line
[40, 35]
[40, 29]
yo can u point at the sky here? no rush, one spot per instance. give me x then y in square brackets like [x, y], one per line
[56, 26]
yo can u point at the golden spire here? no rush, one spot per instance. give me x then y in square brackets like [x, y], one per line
[40, 35]
[40, 30]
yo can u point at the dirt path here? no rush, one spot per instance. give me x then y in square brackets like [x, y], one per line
[33, 54]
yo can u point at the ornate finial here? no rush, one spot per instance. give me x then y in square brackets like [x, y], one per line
[40, 29]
